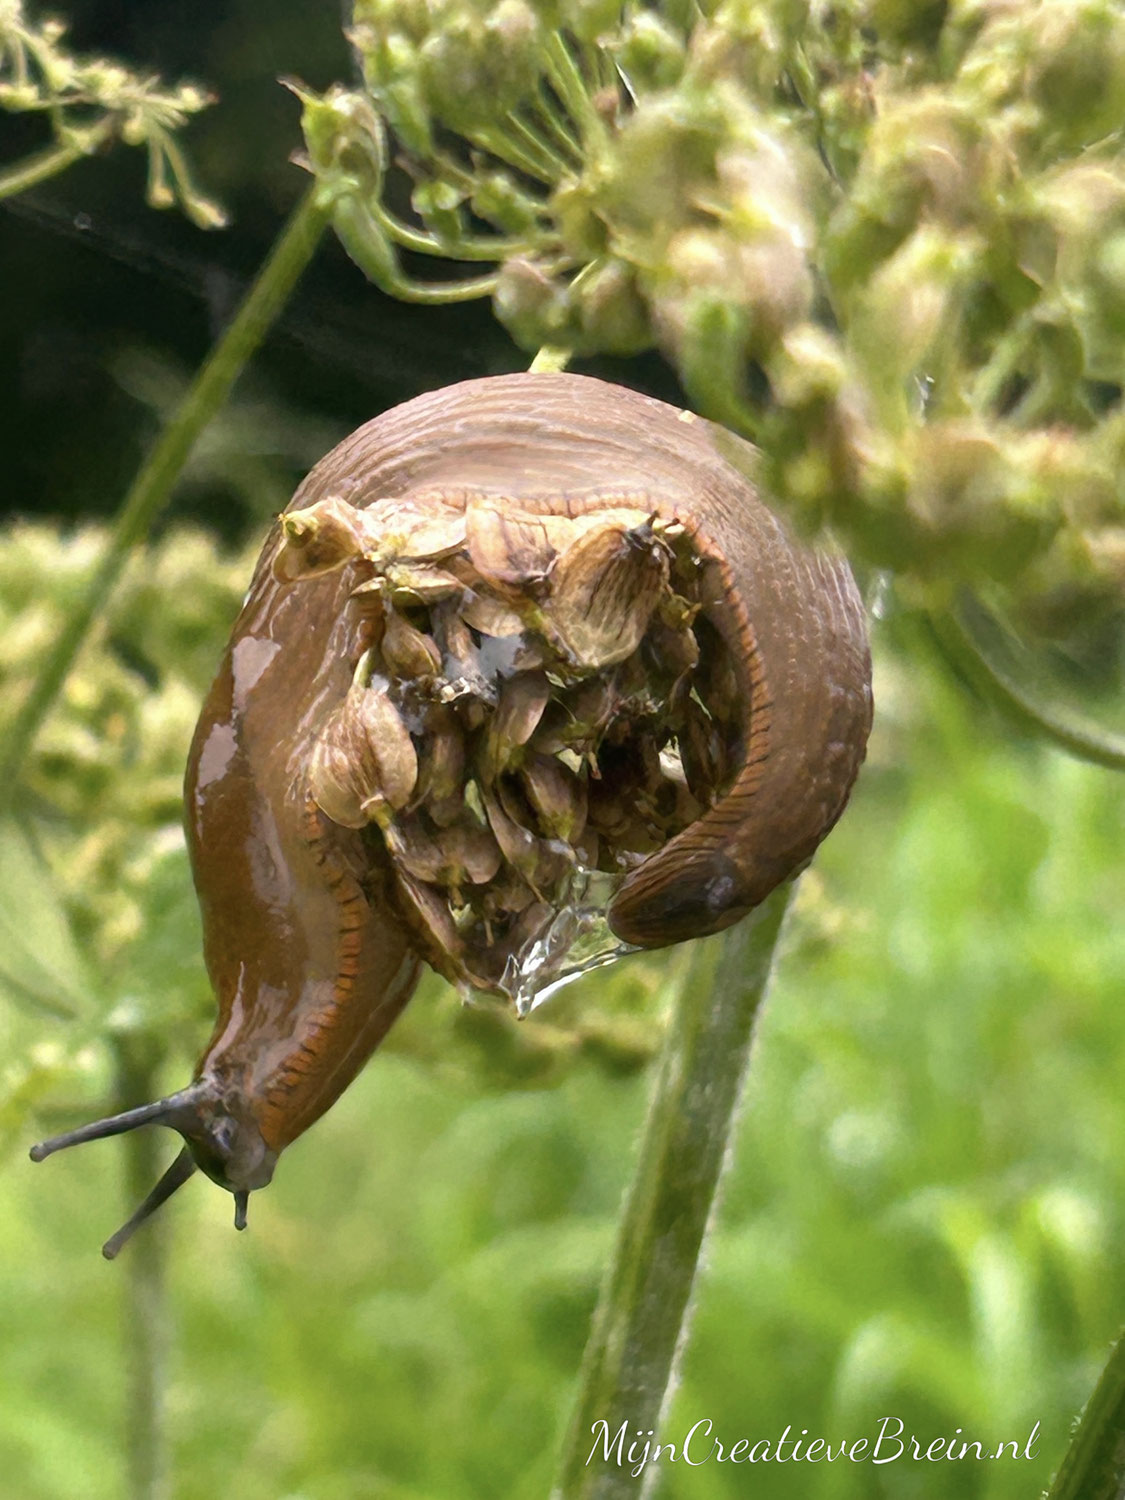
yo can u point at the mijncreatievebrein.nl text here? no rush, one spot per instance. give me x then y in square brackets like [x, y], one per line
[633, 1450]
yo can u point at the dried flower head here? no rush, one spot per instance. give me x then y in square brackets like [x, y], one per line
[534, 715]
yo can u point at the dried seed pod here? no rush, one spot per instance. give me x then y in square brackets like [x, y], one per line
[363, 762]
[491, 616]
[702, 753]
[557, 798]
[419, 531]
[519, 709]
[716, 681]
[588, 849]
[463, 853]
[428, 914]
[320, 539]
[506, 896]
[675, 611]
[415, 584]
[441, 758]
[461, 664]
[672, 648]
[577, 717]
[603, 591]
[621, 800]
[538, 863]
[508, 549]
[409, 654]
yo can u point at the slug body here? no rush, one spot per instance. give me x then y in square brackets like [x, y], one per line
[306, 947]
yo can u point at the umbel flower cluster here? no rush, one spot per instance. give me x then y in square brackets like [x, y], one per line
[885, 241]
[533, 715]
[89, 102]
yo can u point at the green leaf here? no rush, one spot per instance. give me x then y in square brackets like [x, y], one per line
[39, 959]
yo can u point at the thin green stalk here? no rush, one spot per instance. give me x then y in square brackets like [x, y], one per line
[567, 81]
[160, 471]
[972, 650]
[534, 143]
[549, 359]
[145, 1326]
[556, 127]
[1094, 1466]
[467, 247]
[38, 168]
[500, 144]
[642, 1318]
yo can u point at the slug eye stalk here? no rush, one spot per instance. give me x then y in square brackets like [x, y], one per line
[230, 1153]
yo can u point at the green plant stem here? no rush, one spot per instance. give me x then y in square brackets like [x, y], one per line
[962, 638]
[160, 471]
[501, 145]
[1094, 1466]
[549, 358]
[642, 1317]
[145, 1324]
[567, 81]
[467, 247]
[534, 143]
[36, 169]
[556, 127]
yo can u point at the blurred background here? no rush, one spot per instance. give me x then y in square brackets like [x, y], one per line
[923, 1215]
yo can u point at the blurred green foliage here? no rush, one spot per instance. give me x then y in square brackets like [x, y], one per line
[884, 240]
[922, 1215]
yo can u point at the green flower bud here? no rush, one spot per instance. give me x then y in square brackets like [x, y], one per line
[345, 140]
[575, 209]
[590, 20]
[926, 156]
[651, 53]
[1077, 60]
[983, 506]
[911, 303]
[438, 205]
[612, 314]
[533, 307]
[499, 200]
[472, 72]
[378, 18]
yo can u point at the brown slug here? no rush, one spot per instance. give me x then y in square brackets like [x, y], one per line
[510, 630]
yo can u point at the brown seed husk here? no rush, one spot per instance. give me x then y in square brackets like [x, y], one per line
[539, 863]
[557, 798]
[412, 585]
[441, 757]
[408, 653]
[319, 539]
[414, 531]
[509, 551]
[462, 854]
[490, 616]
[604, 590]
[546, 700]
[363, 763]
[519, 708]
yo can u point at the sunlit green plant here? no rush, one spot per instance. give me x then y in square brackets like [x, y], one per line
[882, 240]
